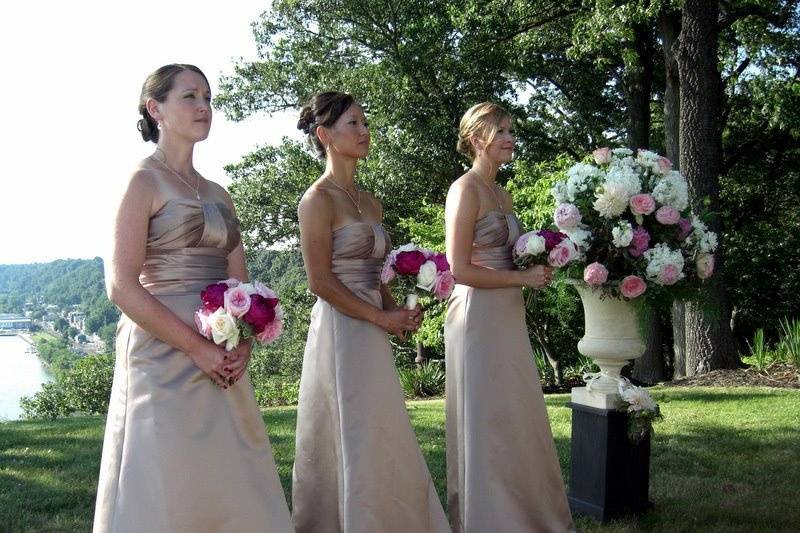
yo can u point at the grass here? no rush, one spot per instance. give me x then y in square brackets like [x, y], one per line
[722, 460]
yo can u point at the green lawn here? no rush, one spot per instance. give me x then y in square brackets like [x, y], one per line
[722, 460]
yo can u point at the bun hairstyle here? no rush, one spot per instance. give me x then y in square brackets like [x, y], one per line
[156, 86]
[323, 109]
[481, 121]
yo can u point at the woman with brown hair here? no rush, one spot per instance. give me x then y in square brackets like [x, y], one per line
[502, 470]
[185, 446]
[358, 466]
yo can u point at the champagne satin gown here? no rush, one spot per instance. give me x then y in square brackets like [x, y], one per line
[503, 474]
[180, 454]
[358, 467]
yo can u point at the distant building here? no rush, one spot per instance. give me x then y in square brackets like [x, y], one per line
[11, 323]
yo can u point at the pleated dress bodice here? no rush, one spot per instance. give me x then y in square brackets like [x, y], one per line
[495, 235]
[358, 254]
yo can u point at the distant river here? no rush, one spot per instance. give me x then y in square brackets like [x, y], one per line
[21, 374]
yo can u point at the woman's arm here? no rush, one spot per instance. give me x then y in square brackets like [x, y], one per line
[127, 293]
[316, 219]
[461, 213]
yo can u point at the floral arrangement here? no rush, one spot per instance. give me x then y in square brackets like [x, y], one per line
[628, 216]
[233, 311]
[418, 272]
[641, 408]
[543, 247]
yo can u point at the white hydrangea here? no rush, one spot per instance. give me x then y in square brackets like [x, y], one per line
[579, 176]
[622, 234]
[649, 160]
[559, 192]
[661, 255]
[626, 177]
[671, 189]
[705, 240]
[581, 238]
[612, 199]
[621, 153]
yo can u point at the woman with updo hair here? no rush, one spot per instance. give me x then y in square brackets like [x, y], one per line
[358, 466]
[502, 470]
[185, 447]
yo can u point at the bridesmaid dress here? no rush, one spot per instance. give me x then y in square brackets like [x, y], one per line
[502, 470]
[180, 454]
[358, 467]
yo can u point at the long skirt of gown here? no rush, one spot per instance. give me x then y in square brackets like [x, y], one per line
[358, 467]
[502, 470]
[180, 454]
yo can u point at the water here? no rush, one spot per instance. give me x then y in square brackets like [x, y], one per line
[21, 374]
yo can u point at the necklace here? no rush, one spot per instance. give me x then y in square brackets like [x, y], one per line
[358, 194]
[491, 189]
[178, 175]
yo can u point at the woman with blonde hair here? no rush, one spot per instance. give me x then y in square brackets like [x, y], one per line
[502, 470]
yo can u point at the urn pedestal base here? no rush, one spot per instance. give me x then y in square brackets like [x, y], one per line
[598, 400]
[610, 475]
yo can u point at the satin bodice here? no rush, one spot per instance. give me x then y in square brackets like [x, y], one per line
[188, 243]
[358, 254]
[495, 235]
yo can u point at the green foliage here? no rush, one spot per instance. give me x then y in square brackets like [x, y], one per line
[57, 354]
[790, 340]
[760, 354]
[275, 391]
[425, 380]
[530, 189]
[49, 403]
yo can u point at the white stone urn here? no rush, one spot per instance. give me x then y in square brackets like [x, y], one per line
[612, 338]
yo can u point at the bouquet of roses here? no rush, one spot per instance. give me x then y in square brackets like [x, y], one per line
[543, 247]
[628, 214]
[233, 311]
[418, 270]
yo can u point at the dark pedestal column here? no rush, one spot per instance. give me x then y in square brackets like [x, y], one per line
[610, 475]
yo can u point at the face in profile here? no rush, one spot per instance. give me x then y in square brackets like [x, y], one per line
[501, 149]
[186, 112]
[349, 135]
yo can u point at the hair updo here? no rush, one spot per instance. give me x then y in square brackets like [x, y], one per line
[481, 121]
[323, 109]
[156, 86]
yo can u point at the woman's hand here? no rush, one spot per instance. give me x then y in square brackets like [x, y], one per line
[238, 358]
[537, 276]
[398, 321]
[212, 360]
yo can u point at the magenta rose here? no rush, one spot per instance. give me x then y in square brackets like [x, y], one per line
[668, 215]
[261, 312]
[567, 216]
[444, 285]
[551, 238]
[705, 266]
[213, 296]
[602, 155]
[440, 260]
[669, 274]
[408, 263]
[595, 274]
[632, 286]
[640, 242]
[684, 228]
[642, 204]
[562, 253]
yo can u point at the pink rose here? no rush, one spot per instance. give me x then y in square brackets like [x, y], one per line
[408, 263]
[213, 296]
[632, 286]
[261, 312]
[522, 243]
[705, 266]
[562, 253]
[595, 274]
[669, 274]
[444, 285]
[387, 272]
[602, 155]
[567, 216]
[201, 321]
[668, 215]
[237, 301]
[440, 260]
[642, 204]
[640, 242]
[271, 331]
[664, 164]
[684, 228]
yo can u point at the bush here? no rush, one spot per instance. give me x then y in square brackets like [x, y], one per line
[425, 380]
[277, 390]
[50, 403]
[790, 341]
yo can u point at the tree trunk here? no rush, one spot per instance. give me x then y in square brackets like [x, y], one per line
[640, 87]
[669, 26]
[709, 342]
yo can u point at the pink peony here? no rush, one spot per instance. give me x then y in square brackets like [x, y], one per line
[595, 274]
[669, 274]
[387, 272]
[562, 253]
[271, 331]
[668, 215]
[642, 204]
[201, 321]
[213, 296]
[261, 312]
[664, 164]
[522, 243]
[567, 216]
[684, 228]
[602, 155]
[440, 260]
[632, 286]
[705, 266]
[640, 242]
[237, 301]
[408, 263]
[444, 285]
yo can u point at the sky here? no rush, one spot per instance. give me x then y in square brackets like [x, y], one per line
[71, 77]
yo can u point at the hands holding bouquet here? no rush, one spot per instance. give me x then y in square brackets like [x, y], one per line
[540, 252]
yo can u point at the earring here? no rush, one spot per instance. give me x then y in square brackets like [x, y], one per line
[158, 125]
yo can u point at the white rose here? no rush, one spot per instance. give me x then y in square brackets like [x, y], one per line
[535, 245]
[224, 329]
[622, 235]
[426, 278]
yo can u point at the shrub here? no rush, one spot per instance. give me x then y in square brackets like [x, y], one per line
[427, 379]
[277, 390]
[790, 341]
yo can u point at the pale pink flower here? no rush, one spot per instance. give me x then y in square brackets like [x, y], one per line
[444, 285]
[595, 274]
[640, 242]
[201, 321]
[387, 272]
[562, 253]
[705, 266]
[664, 164]
[602, 155]
[632, 286]
[668, 215]
[231, 282]
[642, 204]
[271, 331]
[669, 274]
[237, 301]
[567, 217]
[263, 290]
